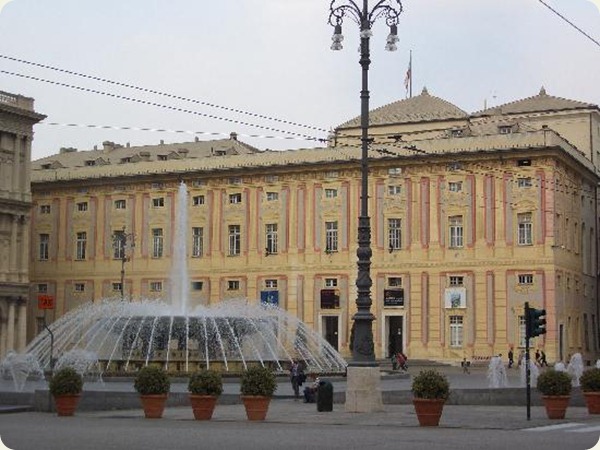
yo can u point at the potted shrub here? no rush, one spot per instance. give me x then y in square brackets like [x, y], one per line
[555, 388]
[65, 386]
[204, 387]
[153, 384]
[430, 390]
[257, 387]
[590, 385]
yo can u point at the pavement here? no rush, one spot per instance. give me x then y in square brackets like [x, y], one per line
[293, 424]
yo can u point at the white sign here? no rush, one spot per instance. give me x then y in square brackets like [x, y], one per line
[456, 297]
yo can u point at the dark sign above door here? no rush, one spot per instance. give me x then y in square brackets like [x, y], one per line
[393, 297]
[330, 299]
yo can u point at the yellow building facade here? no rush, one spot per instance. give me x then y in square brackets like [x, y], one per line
[472, 215]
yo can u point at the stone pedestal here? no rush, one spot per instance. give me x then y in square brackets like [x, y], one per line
[363, 391]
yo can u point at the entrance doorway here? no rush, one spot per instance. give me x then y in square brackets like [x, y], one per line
[330, 330]
[395, 330]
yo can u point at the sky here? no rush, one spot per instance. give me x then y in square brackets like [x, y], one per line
[272, 59]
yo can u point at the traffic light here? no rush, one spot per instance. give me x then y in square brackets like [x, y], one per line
[535, 321]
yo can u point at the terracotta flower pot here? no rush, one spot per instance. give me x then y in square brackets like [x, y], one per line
[203, 406]
[256, 406]
[592, 400]
[429, 411]
[66, 404]
[556, 405]
[153, 405]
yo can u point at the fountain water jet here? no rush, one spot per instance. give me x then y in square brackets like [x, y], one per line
[575, 368]
[228, 336]
[20, 368]
[497, 377]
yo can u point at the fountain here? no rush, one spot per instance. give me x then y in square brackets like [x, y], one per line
[117, 337]
[84, 362]
[20, 368]
[575, 368]
[560, 367]
[496, 375]
[534, 373]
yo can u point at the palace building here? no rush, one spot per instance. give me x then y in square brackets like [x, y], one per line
[472, 215]
[17, 118]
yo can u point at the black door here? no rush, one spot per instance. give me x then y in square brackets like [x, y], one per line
[395, 336]
[330, 330]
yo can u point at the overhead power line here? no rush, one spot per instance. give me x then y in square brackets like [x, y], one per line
[159, 105]
[165, 130]
[161, 93]
[569, 22]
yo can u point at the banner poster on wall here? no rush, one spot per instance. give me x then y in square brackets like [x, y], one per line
[269, 298]
[456, 297]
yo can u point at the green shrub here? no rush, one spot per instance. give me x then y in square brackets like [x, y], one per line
[430, 384]
[590, 380]
[258, 380]
[206, 382]
[66, 381]
[152, 380]
[552, 382]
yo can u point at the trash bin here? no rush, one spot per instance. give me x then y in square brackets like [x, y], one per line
[325, 396]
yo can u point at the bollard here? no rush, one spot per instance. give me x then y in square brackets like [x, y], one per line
[325, 396]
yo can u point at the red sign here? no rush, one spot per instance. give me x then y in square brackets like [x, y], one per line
[45, 302]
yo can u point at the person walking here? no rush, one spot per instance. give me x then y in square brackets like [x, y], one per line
[295, 379]
[511, 358]
[543, 361]
[521, 358]
[465, 365]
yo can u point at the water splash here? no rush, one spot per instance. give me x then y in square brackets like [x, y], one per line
[228, 336]
[84, 362]
[575, 368]
[497, 377]
[534, 373]
[179, 272]
[20, 368]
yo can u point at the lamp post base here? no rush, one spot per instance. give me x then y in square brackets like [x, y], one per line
[363, 390]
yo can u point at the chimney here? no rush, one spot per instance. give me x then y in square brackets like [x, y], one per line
[233, 136]
[196, 139]
[162, 142]
[67, 150]
[108, 146]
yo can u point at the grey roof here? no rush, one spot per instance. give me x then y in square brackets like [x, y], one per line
[537, 103]
[115, 154]
[421, 108]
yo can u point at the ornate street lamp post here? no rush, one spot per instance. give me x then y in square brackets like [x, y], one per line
[363, 352]
[362, 347]
[123, 244]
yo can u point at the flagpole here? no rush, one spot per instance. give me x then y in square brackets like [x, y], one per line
[411, 74]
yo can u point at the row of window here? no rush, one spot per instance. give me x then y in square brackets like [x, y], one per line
[159, 202]
[197, 200]
[455, 233]
[393, 282]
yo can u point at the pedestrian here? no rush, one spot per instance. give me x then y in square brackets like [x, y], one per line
[511, 358]
[537, 356]
[521, 358]
[465, 365]
[543, 361]
[295, 379]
